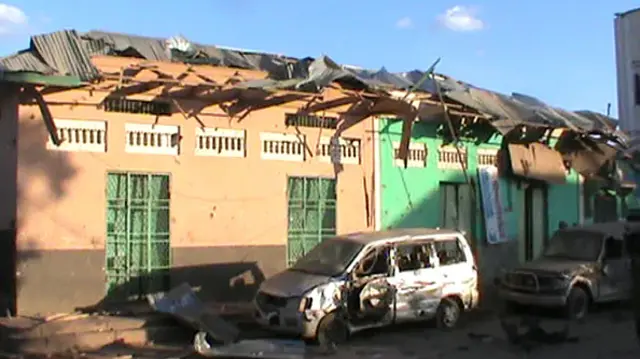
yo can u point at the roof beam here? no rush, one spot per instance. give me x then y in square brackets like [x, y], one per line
[327, 105]
[31, 92]
[245, 104]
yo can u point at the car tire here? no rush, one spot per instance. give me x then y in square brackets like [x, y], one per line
[577, 305]
[448, 314]
[332, 330]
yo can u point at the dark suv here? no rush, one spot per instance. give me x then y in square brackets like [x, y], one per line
[580, 266]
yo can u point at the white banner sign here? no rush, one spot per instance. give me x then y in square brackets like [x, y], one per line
[495, 226]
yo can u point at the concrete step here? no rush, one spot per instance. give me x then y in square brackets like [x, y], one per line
[93, 340]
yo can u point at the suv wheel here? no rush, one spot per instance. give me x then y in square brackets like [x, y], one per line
[577, 305]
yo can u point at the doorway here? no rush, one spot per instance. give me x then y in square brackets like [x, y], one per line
[138, 248]
[455, 207]
[535, 220]
[311, 214]
[8, 269]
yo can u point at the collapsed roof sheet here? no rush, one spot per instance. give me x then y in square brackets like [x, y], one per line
[67, 52]
[26, 61]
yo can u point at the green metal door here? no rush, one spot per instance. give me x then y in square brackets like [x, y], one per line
[312, 214]
[138, 249]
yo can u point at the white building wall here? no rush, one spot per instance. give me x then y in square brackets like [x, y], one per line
[627, 38]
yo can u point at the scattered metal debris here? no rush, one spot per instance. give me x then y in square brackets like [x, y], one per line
[485, 338]
[526, 333]
[251, 348]
[182, 303]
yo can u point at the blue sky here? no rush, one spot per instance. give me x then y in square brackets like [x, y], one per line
[560, 51]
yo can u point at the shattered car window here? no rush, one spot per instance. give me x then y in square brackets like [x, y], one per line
[575, 244]
[331, 257]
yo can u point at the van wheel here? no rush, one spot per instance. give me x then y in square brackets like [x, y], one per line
[332, 330]
[448, 314]
[577, 305]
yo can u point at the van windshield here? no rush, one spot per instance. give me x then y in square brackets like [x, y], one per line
[330, 257]
[575, 244]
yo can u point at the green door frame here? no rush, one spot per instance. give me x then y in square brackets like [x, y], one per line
[128, 204]
[305, 205]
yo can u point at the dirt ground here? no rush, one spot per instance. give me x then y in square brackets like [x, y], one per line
[607, 334]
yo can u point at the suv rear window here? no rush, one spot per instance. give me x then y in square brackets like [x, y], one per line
[449, 251]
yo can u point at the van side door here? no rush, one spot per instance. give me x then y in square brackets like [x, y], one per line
[370, 296]
[417, 281]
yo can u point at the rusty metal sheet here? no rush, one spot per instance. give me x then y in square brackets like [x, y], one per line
[537, 161]
[182, 303]
[589, 161]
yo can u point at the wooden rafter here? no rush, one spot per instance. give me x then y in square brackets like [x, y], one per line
[244, 105]
[320, 106]
[31, 92]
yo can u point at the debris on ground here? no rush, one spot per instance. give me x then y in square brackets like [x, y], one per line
[182, 303]
[527, 333]
[251, 348]
[82, 332]
[217, 337]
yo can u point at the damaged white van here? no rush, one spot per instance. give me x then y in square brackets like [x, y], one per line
[367, 280]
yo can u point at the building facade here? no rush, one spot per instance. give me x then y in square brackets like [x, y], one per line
[138, 198]
[435, 190]
[166, 162]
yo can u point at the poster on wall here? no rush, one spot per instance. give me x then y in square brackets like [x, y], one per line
[492, 206]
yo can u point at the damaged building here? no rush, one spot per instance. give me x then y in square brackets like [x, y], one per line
[138, 163]
[509, 180]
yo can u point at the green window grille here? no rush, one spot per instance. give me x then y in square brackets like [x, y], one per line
[312, 214]
[138, 249]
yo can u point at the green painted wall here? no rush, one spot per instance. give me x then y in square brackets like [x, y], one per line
[410, 197]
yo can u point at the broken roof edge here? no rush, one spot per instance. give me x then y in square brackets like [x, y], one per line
[35, 78]
[311, 78]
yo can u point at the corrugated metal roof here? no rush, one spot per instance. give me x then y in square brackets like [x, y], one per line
[68, 53]
[26, 61]
[64, 51]
[150, 48]
[154, 49]
[96, 46]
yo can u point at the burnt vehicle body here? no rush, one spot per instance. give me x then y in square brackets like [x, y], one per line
[580, 266]
[632, 240]
[367, 280]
